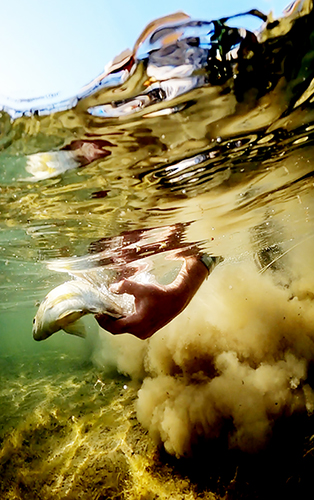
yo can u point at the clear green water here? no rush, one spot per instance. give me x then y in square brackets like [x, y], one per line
[205, 145]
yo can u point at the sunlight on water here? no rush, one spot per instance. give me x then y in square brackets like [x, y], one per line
[200, 139]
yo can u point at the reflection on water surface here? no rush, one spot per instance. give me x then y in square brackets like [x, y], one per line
[202, 133]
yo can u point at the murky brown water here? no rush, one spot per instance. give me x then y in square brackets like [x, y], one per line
[202, 139]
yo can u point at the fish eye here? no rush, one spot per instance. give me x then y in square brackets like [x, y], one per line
[34, 321]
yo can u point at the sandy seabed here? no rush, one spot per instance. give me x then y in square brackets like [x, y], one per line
[73, 434]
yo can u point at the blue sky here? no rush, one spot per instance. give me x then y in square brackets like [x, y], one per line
[49, 46]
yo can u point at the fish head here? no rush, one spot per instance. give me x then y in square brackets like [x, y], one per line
[45, 321]
[57, 311]
[43, 327]
[41, 332]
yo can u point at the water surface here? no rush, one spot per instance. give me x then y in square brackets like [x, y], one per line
[199, 139]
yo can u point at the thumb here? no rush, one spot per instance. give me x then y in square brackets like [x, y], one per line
[127, 286]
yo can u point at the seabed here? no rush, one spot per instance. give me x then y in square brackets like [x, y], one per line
[72, 433]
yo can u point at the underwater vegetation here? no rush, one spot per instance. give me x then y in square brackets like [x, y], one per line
[200, 137]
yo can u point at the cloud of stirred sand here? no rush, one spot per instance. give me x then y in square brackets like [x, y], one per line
[236, 358]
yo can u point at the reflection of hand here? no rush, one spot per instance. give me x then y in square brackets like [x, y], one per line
[156, 305]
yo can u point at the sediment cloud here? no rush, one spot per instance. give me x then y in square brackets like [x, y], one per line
[236, 358]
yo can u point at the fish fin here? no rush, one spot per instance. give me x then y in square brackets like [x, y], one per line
[77, 328]
[93, 309]
[70, 316]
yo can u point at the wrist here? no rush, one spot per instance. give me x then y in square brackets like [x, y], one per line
[190, 278]
[210, 262]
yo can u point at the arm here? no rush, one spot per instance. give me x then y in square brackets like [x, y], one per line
[156, 305]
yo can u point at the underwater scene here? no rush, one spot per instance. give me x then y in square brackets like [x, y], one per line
[197, 142]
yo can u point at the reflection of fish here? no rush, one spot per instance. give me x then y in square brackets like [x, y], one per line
[63, 307]
[50, 164]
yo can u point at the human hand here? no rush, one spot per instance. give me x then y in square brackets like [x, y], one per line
[156, 305]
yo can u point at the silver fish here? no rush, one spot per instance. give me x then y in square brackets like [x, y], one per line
[63, 307]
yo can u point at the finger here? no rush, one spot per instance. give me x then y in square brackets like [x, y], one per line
[131, 324]
[115, 326]
[108, 323]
